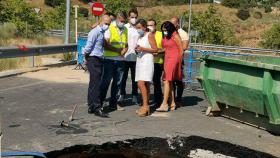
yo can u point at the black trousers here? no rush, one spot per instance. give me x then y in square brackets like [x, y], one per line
[126, 66]
[95, 68]
[158, 96]
[179, 86]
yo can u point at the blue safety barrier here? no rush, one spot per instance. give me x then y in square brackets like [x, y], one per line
[80, 59]
[13, 154]
[80, 46]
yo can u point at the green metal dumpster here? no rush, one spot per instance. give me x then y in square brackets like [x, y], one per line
[246, 88]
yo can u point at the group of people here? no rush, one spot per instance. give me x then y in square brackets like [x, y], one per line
[114, 47]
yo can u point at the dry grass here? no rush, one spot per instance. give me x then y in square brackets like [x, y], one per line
[248, 32]
[40, 4]
[15, 63]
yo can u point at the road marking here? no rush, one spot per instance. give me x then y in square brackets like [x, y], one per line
[22, 86]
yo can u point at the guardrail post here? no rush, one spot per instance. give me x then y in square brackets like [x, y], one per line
[31, 61]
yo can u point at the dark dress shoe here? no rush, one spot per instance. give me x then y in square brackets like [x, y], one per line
[101, 113]
[90, 111]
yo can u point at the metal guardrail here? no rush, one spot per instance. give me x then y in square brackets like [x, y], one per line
[209, 46]
[13, 52]
[60, 33]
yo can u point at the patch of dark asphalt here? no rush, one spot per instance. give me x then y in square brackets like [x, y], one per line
[152, 147]
[71, 129]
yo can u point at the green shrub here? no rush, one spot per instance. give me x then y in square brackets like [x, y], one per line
[257, 15]
[212, 28]
[55, 18]
[243, 14]
[22, 14]
[277, 4]
[83, 11]
[231, 3]
[267, 9]
[116, 6]
[86, 1]
[54, 3]
[271, 38]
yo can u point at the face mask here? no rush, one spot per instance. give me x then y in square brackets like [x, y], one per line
[165, 33]
[104, 27]
[141, 32]
[133, 21]
[120, 25]
[151, 29]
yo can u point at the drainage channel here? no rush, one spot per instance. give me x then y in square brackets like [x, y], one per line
[152, 147]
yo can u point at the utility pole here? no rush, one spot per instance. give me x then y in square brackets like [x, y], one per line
[67, 23]
[190, 21]
[1, 135]
[76, 22]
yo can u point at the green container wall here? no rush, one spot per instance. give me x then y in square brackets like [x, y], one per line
[250, 84]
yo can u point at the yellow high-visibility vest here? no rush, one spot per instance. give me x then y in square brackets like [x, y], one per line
[116, 41]
[158, 37]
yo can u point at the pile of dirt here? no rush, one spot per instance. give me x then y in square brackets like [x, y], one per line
[177, 147]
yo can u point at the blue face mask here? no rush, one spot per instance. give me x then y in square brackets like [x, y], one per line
[141, 32]
[120, 25]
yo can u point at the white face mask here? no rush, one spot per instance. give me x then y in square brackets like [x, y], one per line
[151, 28]
[133, 21]
[165, 33]
[104, 27]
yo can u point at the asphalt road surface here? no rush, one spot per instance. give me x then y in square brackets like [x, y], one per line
[33, 104]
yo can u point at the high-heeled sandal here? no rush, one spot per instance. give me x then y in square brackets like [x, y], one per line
[144, 111]
[138, 109]
[163, 108]
[173, 107]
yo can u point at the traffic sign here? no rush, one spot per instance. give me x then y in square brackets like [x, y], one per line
[97, 9]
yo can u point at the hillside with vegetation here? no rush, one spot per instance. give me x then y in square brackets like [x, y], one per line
[249, 23]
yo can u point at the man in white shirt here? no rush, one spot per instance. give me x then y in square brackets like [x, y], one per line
[130, 57]
[179, 85]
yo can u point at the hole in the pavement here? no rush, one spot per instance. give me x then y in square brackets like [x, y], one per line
[177, 147]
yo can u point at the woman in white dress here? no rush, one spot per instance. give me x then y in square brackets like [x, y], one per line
[146, 47]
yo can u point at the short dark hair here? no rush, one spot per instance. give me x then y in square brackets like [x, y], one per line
[153, 21]
[110, 14]
[133, 10]
[170, 28]
[122, 14]
[142, 22]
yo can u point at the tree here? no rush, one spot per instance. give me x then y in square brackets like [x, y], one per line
[54, 3]
[22, 15]
[83, 11]
[55, 18]
[243, 14]
[116, 6]
[231, 3]
[271, 38]
[212, 28]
